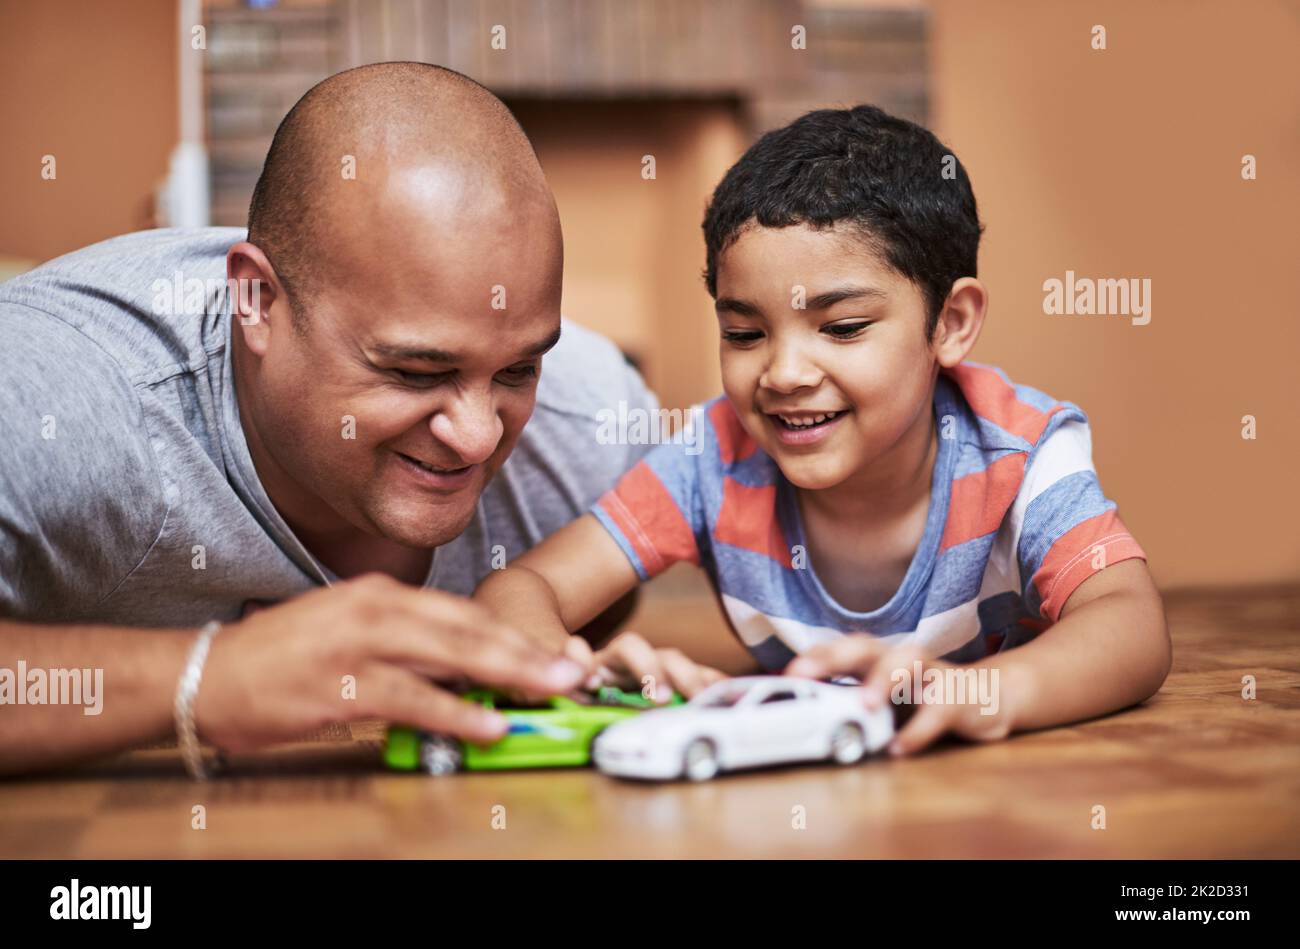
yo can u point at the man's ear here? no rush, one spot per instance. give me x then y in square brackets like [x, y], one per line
[960, 321]
[254, 288]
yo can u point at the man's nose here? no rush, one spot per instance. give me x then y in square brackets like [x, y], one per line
[469, 426]
[789, 369]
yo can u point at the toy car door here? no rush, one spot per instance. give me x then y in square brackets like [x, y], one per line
[775, 728]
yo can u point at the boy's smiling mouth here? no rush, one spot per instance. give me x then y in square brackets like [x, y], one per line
[803, 428]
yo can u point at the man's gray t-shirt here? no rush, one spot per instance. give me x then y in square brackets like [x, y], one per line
[127, 492]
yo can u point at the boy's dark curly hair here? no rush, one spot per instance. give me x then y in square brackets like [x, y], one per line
[887, 177]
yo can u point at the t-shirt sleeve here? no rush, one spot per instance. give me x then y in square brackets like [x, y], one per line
[654, 512]
[1068, 529]
[80, 497]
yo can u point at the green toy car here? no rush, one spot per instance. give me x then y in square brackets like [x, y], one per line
[553, 734]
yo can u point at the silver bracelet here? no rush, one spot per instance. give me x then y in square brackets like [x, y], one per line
[187, 690]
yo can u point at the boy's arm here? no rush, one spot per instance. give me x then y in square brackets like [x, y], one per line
[561, 584]
[1109, 650]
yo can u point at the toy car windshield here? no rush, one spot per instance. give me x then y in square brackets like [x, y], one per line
[609, 696]
[620, 698]
[722, 695]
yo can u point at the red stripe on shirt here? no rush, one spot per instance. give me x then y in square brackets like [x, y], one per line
[748, 520]
[991, 397]
[658, 532]
[981, 499]
[1085, 549]
[734, 443]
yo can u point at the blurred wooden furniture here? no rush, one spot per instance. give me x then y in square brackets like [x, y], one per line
[1196, 772]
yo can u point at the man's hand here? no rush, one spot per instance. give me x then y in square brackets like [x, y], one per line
[880, 666]
[630, 662]
[280, 673]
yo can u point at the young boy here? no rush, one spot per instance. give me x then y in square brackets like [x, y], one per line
[866, 500]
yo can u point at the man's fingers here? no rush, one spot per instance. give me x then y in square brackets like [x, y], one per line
[578, 650]
[490, 651]
[380, 597]
[481, 655]
[456, 612]
[407, 698]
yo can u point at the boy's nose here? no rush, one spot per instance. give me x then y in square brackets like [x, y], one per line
[789, 371]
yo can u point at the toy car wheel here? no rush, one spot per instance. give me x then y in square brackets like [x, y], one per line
[440, 755]
[848, 744]
[700, 763]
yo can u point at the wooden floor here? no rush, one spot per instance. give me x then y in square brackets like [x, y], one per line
[1196, 772]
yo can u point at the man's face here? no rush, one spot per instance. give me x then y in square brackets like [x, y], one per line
[856, 355]
[407, 389]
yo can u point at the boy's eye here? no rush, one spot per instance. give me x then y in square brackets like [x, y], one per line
[846, 330]
[741, 336]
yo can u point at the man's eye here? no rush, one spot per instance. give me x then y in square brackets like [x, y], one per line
[741, 336]
[519, 375]
[419, 380]
[846, 330]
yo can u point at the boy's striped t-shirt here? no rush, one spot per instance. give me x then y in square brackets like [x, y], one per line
[1017, 520]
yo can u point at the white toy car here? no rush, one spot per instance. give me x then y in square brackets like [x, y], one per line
[745, 723]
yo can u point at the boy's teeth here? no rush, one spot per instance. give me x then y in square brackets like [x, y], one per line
[815, 420]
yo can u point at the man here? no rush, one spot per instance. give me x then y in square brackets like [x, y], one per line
[345, 405]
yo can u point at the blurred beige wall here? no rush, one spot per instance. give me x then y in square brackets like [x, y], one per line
[1127, 163]
[93, 83]
[633, 248]
[1116, 163]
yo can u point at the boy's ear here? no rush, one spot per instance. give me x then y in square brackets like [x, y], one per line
[960, 321]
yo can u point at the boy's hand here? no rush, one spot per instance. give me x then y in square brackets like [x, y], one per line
[881, 666]
[629, 662]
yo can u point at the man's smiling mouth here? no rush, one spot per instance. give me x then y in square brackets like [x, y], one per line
[435, 468]
[438, 479]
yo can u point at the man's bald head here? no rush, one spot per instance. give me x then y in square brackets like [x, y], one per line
[412, 301]
[392, 119]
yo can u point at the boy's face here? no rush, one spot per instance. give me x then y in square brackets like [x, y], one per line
[855, 354]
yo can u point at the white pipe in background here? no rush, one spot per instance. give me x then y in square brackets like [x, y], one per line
[185, 198]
